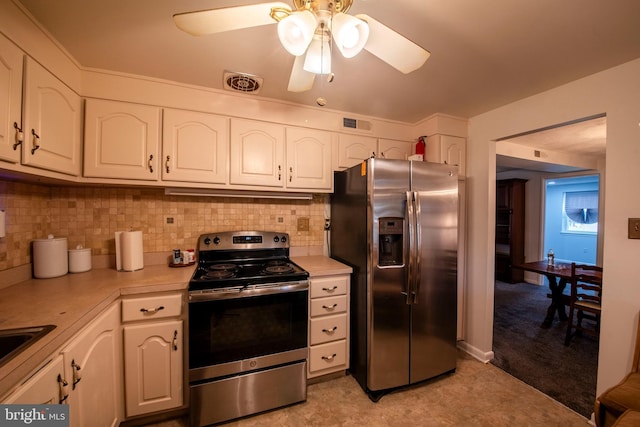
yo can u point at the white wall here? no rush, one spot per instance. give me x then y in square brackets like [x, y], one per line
[615, 92]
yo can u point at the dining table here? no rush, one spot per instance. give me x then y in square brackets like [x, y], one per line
[558, 274]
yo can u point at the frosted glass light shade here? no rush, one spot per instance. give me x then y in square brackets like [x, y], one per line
[349, 33]
[296, 31]
[318, 59]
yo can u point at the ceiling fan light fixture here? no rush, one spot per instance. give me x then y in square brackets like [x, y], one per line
[296, 31]
[318, 59]
[349, 33]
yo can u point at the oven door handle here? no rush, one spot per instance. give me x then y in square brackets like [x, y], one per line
[248, 291]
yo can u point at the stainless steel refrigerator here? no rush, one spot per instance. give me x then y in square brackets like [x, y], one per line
[396, 223]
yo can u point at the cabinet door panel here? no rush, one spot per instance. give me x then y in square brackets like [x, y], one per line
[308, 159]
[10, 98]
[42, 388]
[93, 359]
[52, 128]
[121, 140]
[353, 149]
[257, 153]
[195, 147]
[153, 366]
[397, 150]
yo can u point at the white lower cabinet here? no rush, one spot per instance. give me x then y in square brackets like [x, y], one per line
[153, 349]
[47, 386]
[93, 368]
[328, 325]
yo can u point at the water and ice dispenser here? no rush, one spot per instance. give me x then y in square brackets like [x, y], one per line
[391, 241]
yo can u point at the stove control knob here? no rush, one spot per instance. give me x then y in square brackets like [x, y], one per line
[216, 240]
[276, 239]
[207, 241]
[283, 239]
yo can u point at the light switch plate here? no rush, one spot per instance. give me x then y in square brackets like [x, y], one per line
[634, 228]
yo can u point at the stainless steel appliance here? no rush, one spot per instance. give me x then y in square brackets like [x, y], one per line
[248, 316]
[396, 223]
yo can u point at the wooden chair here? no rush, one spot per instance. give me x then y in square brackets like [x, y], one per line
[623, 398]
[584, 302]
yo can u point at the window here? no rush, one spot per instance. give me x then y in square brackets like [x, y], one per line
[580, 212]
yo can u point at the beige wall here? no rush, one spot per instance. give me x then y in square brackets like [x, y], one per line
[90, 216]
[615, 92]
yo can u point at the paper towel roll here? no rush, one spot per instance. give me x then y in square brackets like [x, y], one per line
[131, 250]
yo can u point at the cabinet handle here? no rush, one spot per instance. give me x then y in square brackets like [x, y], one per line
[19, 136]
[330, 289]
[34, 144]
[150, 164]
[330, 308]
[175, 341]
[166, 164]
[290, 173]
[64, 389]
[330, 331]
[279, 173]
[152, 310]
[329, 357]
[77, 376]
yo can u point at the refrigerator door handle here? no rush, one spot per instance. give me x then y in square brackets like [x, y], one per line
[411, 262]
[417, 251]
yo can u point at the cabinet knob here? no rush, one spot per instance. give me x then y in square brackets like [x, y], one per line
[174, 343]
[35, 141]
[19, 137]
[150, 163]
[152, 310]
[329, 358]
[279, 173]
[330, 307]
[330, 289]
[166, 164]
[330, 331]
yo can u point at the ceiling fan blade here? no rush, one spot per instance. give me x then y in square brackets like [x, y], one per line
[394, 49]
[226, 19]
[300, 80]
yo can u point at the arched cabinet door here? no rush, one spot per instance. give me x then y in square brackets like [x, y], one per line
[122, 140]
[51, 122]
[308, 159]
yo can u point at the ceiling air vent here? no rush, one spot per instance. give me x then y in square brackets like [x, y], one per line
[355, 124]
[241, 82]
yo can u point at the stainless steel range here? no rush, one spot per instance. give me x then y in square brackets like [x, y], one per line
[248, 308]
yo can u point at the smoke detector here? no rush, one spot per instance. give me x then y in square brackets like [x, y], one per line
[242, 82]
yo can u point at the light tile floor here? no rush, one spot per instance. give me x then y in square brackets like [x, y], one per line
[476, 394]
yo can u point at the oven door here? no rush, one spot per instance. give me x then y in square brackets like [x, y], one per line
[249, 329]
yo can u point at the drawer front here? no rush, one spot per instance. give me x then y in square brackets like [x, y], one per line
[329, 286]
[328, 356]
[153, 307]
[330, 305]
[328, 328]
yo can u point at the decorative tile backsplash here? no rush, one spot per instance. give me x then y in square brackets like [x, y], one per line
[89, 216]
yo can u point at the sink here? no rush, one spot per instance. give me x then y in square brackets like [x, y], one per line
[13, 341]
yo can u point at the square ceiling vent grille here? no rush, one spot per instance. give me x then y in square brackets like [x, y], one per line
[242, 82]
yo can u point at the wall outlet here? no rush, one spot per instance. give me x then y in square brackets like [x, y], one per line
[634, 228]
[303, 224]
[327, 224]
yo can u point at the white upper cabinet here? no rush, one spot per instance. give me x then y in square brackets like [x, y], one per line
[257, 153]
[52, 122]
[11, 59]
[195, 147]
[391, 149]
[308, 159]
[353, 149]
[122, 140]
[447, 149]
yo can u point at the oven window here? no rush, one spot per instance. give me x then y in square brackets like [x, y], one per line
[235, 329]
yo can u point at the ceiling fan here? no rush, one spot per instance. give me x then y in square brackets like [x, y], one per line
[308, 30]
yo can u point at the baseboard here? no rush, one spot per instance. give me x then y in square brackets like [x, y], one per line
[476, 353]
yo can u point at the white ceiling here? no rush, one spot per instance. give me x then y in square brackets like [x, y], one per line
[483, 53]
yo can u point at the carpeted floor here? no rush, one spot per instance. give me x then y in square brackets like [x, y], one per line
[538, 356]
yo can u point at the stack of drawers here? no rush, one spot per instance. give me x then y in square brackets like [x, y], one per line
[328, 325]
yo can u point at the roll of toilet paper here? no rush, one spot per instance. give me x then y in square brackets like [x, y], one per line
[131, 250]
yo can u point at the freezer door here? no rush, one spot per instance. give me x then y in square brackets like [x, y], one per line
[433, 314]
[388, 312]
